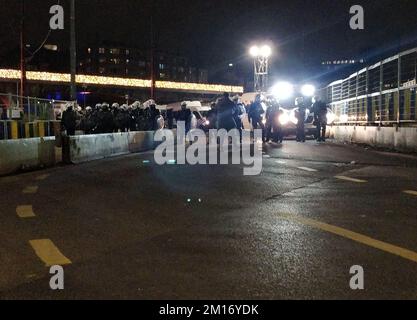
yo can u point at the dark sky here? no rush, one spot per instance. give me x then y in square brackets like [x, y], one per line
[217, 32]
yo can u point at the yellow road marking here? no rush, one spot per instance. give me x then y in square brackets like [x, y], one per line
[412, 192]
[307, 169]
[49, 253]
[350, 179]
[42, 177]
[395, 250]
[25, 211]
[30, 189]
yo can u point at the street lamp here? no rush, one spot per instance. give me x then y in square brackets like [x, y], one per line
[261, 56]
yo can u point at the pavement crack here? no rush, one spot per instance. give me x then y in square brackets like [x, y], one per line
[276, 196]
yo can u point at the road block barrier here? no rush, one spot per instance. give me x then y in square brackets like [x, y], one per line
[25, 154]
[402, 139]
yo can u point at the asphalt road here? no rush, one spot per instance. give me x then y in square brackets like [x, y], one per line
[126, 228]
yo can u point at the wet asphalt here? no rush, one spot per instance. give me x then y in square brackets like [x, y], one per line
[135, 230]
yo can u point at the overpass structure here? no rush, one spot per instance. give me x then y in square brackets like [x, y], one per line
[377, 105]
[131, 83]
[383, 93]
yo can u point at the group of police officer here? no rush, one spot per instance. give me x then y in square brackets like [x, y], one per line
[104, 118]
[227, 113]
[273, 128]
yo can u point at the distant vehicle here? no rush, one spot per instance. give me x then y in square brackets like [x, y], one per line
[289, 121]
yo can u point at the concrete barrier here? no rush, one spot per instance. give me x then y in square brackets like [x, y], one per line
[26, 154]
[97, 146]
[397, 138]
[141, 141]
[100, 146]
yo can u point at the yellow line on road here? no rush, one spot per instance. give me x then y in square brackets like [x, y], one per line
[377, 244]
[25, 211]
[30, 189]
[412, 192]
[350, 179]
[49, 253]
[42, 177]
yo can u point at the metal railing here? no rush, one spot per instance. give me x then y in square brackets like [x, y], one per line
[28, 117]
[384, 93]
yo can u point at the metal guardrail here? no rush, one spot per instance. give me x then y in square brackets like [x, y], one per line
[384, 93]
[29, 109]
[29, 117]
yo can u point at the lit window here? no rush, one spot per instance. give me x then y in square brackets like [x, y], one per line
[115, 51]
[102, 51]
[89, 50]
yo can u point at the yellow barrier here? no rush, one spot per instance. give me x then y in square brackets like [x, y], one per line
[27, 130]
[14, 130]
[41, 129]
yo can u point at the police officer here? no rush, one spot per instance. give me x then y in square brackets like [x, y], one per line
[273, 128]
[320, 118]
[255, 115]
[69, 120]
[300, 114]
[154, 114]
[105, 119]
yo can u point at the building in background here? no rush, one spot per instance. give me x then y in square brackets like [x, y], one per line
[120, 61]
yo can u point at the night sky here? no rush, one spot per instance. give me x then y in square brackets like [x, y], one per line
[216, 33]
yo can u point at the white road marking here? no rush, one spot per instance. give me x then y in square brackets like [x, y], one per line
[350, 179]
[280, 162]
[307, 169]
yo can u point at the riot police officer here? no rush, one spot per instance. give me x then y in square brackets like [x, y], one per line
[320, 118]
[300, 114]
[69, 120]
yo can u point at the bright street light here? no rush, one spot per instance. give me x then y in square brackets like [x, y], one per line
[308, 90]
[260, 56]
[265, 51]
[283, 90]
[254, 51]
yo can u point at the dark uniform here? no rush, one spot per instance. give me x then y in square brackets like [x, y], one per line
[226, 113]
[69, 121]
[273, 128]
[255, 115]
[300, 114]
[320, 119]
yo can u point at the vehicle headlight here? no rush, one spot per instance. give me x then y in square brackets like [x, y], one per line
[293, 118]
[284, 119]
[207, 123]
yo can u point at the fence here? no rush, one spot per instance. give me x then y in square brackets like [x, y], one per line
[384, 93]
[29, 117]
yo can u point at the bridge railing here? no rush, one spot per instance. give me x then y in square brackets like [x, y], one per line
[382, 94]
